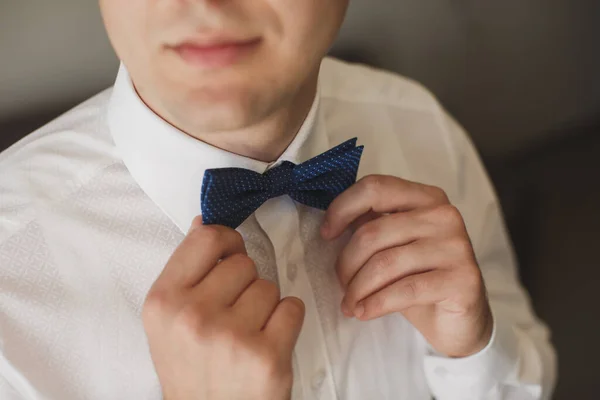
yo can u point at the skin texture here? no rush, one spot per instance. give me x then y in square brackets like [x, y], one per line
[410, 253]
[215, 330]
[253, 107]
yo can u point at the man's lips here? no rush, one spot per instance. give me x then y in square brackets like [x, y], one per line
[215, 52]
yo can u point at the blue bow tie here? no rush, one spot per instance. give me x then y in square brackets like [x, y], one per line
[230, 195]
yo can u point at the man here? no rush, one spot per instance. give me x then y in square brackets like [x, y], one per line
[112, 286]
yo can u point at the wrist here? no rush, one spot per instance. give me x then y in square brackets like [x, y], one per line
[480, 372]
[486, 329]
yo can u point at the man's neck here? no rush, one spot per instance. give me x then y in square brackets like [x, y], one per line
[266, 140]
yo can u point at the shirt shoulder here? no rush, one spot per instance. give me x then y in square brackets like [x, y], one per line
[46, 165]
[405, 129]
[358, 83]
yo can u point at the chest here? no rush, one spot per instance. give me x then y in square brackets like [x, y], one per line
[336, 357]
[77, 333]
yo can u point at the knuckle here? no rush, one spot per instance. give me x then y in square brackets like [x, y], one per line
[437, 193]
[244, 263]
[210, 235]
[296, 308]
[460, 246]
[197, 221]
[473, 290]
[448, 214]
[192, 321]
[366, 235]
[382, 263]
[411, 289]
[372, 183]
[157, 302]
[243, 260]
[269, 362]
[237, 237]
[468, 303]
[229, 337]
[268, 288]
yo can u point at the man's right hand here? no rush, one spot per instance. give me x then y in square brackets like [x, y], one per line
[215, 330]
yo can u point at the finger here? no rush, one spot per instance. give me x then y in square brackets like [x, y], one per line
[363, 219]
[379, 194]
[283, 328]
[377, 235]
[224, 284]
[256, 304]
[198, 253]
[196, 223]
[415, 290]
[394, 264]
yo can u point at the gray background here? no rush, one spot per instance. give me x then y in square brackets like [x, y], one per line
[520, 75]
[509, 70]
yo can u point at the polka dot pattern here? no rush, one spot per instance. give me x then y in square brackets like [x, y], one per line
[230, 195]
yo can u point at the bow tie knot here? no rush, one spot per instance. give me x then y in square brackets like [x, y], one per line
[280, 179]
[230, 195]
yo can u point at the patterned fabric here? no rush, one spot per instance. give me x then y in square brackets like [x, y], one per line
[230, 195]
[93, 205]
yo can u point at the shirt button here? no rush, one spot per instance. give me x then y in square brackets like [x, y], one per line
[292, 271]
[318, 379]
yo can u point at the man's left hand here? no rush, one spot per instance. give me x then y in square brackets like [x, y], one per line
[410, 253]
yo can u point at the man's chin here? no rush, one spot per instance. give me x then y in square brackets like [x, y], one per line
[203, 117]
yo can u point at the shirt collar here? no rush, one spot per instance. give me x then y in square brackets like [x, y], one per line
[169, 165]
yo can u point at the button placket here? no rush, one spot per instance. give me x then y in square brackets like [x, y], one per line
[279, 219]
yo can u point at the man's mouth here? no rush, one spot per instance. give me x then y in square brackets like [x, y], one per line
[217, 51]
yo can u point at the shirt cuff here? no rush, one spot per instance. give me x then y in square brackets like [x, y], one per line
[478, 375]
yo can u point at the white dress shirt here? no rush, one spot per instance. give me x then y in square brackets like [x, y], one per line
[93, 204]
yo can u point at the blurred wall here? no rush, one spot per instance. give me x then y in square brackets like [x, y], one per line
[52, 53]
[511, 71]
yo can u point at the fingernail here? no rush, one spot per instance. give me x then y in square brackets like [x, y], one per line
[346, 310]
[359, 310]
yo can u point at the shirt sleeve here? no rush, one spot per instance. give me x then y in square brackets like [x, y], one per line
[519, 362]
